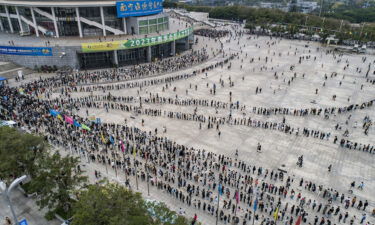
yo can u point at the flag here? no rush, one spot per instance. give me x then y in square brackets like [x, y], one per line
[103, 139]
[237, 197]
[276, 214]
[75, 123]
[85, 127]
[255, 204]
[122, 146]
[68, 119]
[299, 220]
[134, 151]
[59, 117]
[220, 189]
[53, 113]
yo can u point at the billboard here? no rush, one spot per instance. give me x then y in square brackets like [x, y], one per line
[35, 51]
[135, 43]
[138, 8]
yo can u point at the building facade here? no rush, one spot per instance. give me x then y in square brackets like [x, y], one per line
[100, 33]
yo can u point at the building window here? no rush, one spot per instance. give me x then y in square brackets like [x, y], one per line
[143, 22]
[153, 29]
[143, 30]
[153, 21]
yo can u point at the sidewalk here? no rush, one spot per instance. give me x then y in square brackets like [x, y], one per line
[25, 208]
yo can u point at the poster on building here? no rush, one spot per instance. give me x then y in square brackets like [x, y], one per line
[135, 43]
[35, 51]
[138, 8]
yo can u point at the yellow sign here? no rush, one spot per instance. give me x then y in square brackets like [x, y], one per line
[101, 46]
[135, 43]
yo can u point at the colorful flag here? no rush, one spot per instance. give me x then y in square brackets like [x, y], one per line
[85, 127]
[276, 214]
[299, 220]
[53, 113]
[59, 117]
[68, 119]
[220, 189]
[237, 197]
[255, 204]
[122, 146]
[75, 123]
[103, 139]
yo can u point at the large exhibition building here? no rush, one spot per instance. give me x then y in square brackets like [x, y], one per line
[86, 34]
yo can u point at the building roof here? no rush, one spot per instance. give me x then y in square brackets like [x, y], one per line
[54, 3]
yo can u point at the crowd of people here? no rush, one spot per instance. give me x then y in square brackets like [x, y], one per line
[211, 33]
[166, 65]
[190, 175]
[229, 189]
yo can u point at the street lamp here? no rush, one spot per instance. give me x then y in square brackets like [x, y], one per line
[5, 191]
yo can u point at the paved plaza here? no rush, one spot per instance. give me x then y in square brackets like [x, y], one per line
[265, 73]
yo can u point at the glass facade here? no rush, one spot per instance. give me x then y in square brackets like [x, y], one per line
[149, 26]
[95, 60]
[132, 56]
[67, 22]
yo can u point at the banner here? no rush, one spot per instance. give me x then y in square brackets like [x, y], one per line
[68, 119]
[35, 51]
[85, 127]
[135, 43]
[138, 8]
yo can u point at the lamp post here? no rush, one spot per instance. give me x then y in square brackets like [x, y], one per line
[5, 191]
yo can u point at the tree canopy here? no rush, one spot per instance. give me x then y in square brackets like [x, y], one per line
[329, 23]
[19, 153]
[53, 177]
[113, 204]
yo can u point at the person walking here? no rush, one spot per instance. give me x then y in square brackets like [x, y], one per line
[8, 221]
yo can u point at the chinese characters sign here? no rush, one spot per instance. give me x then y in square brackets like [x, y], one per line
[36, 51]
[135, 43]
[138, 8]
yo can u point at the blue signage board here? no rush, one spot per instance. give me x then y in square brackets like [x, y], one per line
[23, 222]
[36, 51]
[138, 8]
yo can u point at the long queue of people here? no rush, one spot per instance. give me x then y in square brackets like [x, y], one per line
[158, 99]
[166, 65]
[190, 175]
[47, 86]
[211, 33]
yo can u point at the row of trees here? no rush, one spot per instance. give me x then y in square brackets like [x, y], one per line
[267, 17]
[62, 188]
[53, 178]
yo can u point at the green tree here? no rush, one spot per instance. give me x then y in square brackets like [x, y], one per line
[161, 214]
[110, 204]
[19, 153]
[113, 204]
[56, 182]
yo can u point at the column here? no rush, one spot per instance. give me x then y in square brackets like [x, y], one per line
[79, 22]
[124, 25]
[19, 19]
[149, 54]
[55, 22]
[9, 21]
[173, 48]
[187, 43]
[115, 59]
[103, 22]
[1, 24]
[34, 22]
